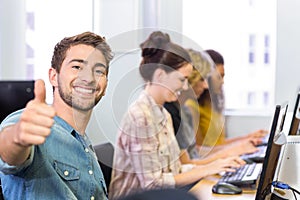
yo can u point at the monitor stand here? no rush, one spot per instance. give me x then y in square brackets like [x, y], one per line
[288, 168]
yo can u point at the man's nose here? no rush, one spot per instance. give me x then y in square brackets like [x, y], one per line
[86, 74]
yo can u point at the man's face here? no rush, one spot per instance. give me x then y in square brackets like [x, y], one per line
[82, 79]
[218, 78]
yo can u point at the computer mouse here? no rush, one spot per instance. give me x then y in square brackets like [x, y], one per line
[226, 188]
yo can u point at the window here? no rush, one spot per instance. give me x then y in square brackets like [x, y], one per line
[267, 50]
[252, 48]
[29, 42]
[266, 98]
[251, 98]
[239, 34]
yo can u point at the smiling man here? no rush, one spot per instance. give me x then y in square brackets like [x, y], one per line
[45, 152]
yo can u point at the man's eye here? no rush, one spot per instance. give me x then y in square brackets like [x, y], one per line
[76, 67]
[100, 71]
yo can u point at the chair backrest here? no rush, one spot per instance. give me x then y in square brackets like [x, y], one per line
[14, 95]
[160, 194]
[105, 154]
[1, 194]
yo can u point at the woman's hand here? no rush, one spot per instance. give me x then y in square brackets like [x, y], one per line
[257, 136]
[229, 164]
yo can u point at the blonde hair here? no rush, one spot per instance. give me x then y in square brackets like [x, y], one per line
[202, 65]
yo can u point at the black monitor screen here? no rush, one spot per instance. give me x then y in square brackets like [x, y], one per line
[294, 128]
[14, 96]
[272, 153]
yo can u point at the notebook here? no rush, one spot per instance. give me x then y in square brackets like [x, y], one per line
[249, 173]
[259, 156]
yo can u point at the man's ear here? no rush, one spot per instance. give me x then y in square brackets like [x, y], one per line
[53, 77]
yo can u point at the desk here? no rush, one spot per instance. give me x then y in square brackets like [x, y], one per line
[202, 190]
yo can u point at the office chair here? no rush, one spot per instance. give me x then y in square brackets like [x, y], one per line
[160, 194]
[1, 194]
[105, 154]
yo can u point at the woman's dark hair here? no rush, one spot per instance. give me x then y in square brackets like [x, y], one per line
[159, 52]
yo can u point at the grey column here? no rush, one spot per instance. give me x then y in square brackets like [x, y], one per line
[12, 39]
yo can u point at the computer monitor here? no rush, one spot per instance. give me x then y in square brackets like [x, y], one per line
[14, 95]
[272, 153]
[294, 128]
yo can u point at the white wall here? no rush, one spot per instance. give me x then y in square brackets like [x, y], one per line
[242, 124]
[124, 84]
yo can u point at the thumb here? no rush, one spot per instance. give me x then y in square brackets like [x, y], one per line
[40, 91]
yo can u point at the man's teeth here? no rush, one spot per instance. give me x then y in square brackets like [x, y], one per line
[84, 90]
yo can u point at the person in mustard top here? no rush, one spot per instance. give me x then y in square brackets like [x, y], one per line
[212, 121]
[205, 69]
[198, 83]
[185, 111]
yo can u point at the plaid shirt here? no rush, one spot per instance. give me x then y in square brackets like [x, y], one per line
[146, 152]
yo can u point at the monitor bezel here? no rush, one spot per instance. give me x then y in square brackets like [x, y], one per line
[272, 153]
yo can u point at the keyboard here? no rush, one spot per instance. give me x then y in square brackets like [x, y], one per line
[257, 156]
[245, 175]
[265, 140]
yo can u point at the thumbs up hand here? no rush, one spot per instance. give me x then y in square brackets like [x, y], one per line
[40, 91]
[36, 120]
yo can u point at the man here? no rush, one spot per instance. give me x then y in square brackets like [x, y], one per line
[44, 150]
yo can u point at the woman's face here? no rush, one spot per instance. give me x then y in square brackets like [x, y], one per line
[217, 78]
[176, 81]
[200, 86]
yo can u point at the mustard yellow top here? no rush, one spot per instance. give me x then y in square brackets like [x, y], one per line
[208, 132]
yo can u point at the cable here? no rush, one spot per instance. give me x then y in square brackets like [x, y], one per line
[285, 186]
[294, 190]
[280, 185]
[294, 195]
[266, 190]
